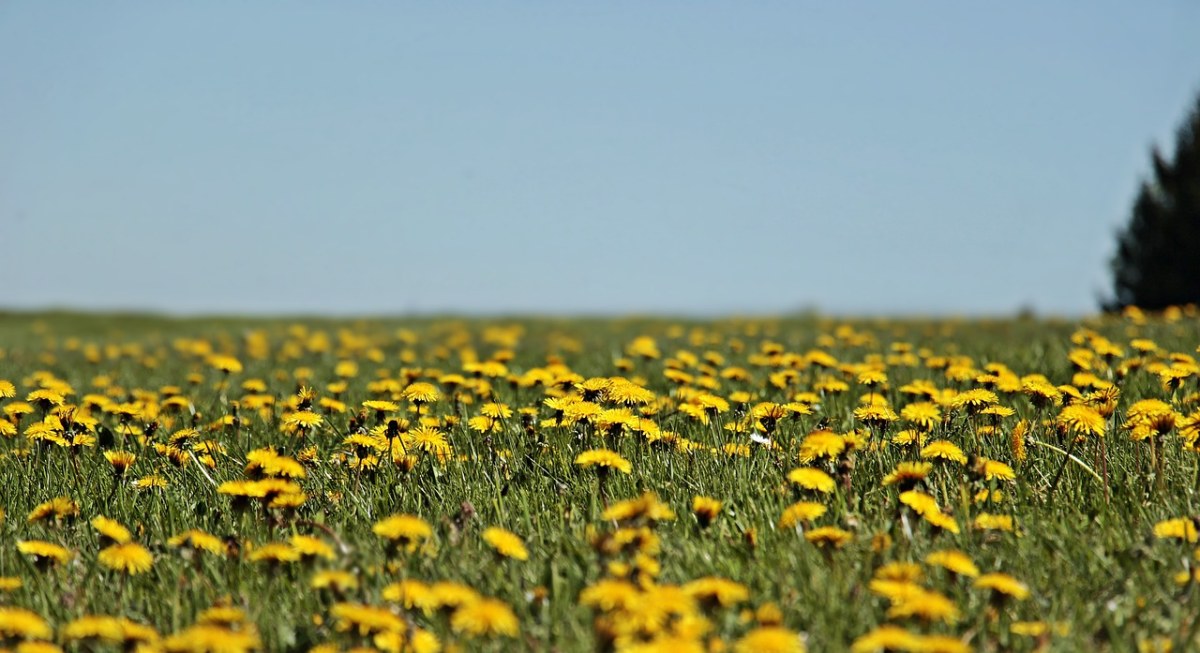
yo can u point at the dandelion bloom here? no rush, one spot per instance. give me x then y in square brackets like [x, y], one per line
[410, 594]
[646, 507]
[365, 619]
[770, 639]
[908, 474]
[994, 470]
[310, 547]
[19, 623]
[45, 399]
[944, 450]
[941, 520]
[872, 378]
[422, 393]
[302, 420]
[875, 415]
[922, 414]
[705, 509]
[627, 393]
[942, 644]
[604, 459]
[927, 605]
[886, 638]
[811, 478]
[953, 561]
[44, 552]
[829, 536]
[226, 364]
[198, 540]
[403, 530]
[920, 502]
[450, 595]
[57, 508]
[121, 461]
[799, 513]
[208, 637]
[130, 558]
[974, 400]
[334, 579]
[714, 590]
[505, 543]
[988, 522]
[609, 594]
[381, 406]
[1183, 528]
[111, 530]
[1003, 584]
[111, 630]
[1081, 419]
[821, 444]
[485, 617]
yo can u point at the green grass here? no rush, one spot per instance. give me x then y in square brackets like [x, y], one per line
[1091, 562]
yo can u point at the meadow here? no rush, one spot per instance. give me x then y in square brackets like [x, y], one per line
[622, 485]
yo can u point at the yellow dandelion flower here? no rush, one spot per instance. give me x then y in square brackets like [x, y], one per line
[908, 474]
[1003, 584]
[334, 579]
[886, 638]
[58, 508]
[130, 558]
[1081, 419]
[769, 639]
[717, 591]
[953, 561]
[705, 509]
[646, 507]
[801, 512]
[302, 420]
[208, 638]
[988, 522]
[941, 520]
[920, 502]
[19, 623]
[924, 604]
[821, 444]
[310, 547]
[198, 540]
[505, 543]
[403, 530]
[994, 470]
[829, 536]
[421, 393]
[943, 450]
[111, 530]
[1183, 528]
[609, 594]
[410, 594]
[365, 619]
[604, 459]
[811, 478]
[44, 553]
[485, 617]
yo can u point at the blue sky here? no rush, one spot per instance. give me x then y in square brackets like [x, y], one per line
[566, 157]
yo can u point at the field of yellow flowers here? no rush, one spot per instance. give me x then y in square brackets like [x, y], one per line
[745, 485]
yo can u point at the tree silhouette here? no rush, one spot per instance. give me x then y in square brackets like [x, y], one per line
[1157, 263]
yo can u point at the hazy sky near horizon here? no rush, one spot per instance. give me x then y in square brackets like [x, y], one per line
[564, 157]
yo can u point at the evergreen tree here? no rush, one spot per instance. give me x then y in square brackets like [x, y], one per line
[1157, 263]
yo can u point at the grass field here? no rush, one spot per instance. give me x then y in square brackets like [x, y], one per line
[594, 485]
